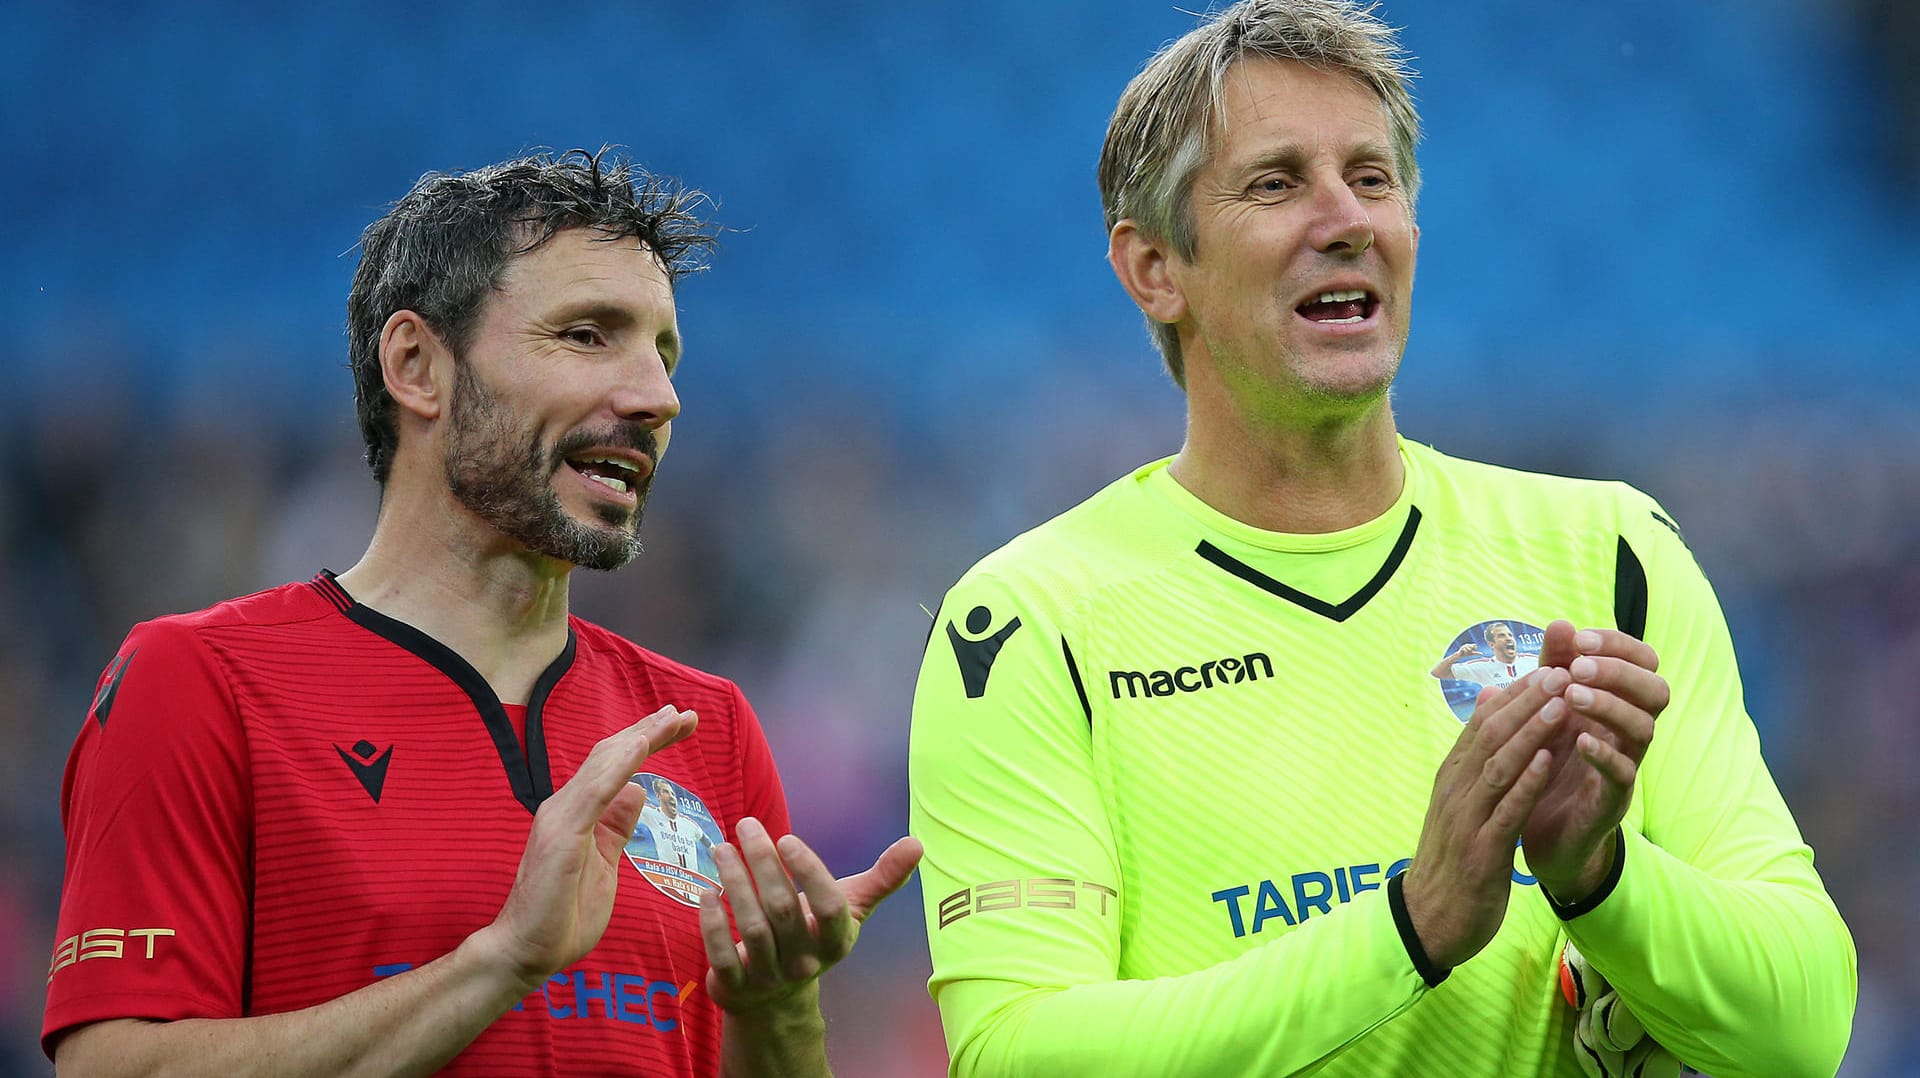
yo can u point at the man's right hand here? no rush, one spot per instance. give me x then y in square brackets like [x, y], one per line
[562, 896]
[1457, 887]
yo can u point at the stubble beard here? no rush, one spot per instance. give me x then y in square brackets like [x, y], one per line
[504, 476]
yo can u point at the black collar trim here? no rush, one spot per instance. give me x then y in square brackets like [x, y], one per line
[527, 769]
[1334, 612]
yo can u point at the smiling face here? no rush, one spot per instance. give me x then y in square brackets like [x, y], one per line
[1297, 294]
[562, 401]
[1500, 639]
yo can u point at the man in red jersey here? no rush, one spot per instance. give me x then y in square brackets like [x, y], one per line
[378, 823]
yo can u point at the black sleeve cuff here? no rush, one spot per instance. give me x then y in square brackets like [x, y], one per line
[1600, 893]
[1422, 965]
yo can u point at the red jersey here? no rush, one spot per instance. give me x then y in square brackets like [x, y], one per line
[281, 799]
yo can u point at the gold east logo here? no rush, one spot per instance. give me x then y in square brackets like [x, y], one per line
[1054, 893]
[101, 943]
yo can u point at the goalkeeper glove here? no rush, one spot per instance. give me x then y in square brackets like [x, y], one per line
[1609, 1041]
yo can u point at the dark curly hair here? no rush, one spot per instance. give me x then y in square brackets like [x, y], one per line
[443, 247]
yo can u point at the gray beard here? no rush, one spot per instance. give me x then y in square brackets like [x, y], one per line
[505, 478]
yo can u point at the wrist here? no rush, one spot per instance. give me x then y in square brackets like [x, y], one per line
[1580, 895]
[1405, 922]
[786, 1038]
[796, 1014]
[487, 953]
[1573, 888]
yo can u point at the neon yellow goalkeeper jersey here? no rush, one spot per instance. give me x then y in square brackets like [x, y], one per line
[1165, 765]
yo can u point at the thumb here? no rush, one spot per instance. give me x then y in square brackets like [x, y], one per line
[866, 890]
[623, 813]
[1557, 649]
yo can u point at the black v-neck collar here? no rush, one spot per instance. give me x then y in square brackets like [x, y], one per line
[1332, 611]
[526, 767]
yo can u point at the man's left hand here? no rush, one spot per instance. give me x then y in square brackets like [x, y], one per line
[795, 920]
[1613, 699]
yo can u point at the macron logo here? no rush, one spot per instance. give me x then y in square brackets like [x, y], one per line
[975, 651]
[1228, 671]
[368, 762]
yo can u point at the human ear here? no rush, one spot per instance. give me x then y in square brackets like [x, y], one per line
[1144, 266]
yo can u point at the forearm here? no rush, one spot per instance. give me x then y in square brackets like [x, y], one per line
[1736, 977]
[408, 1024]
[1274, 1010]
[789, 1043]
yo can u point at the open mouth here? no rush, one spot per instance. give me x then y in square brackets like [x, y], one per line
[1348, 307]
[618, 474]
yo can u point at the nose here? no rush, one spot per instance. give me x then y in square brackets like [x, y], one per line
[645, 393]
[1341, 221]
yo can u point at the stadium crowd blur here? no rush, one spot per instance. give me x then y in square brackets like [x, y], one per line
[1674, 244]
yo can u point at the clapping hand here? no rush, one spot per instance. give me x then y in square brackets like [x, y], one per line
[795, 920]
[1612, 699]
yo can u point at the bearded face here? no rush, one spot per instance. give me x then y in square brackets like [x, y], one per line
[500, 469]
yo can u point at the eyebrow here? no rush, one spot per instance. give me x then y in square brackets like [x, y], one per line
[1292, 156]
[600, 310]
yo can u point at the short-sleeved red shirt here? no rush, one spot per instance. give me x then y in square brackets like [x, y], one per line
[283, 798]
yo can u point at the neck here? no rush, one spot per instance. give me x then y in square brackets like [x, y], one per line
[1305, 478]
[435, 566]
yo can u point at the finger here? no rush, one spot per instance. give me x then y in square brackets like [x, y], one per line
[583, 800]
[1471, 748]
[722, 955]
[834, 927]
[664, 727]
[1508, 765]
[1614, 765]
[1630, 728]
[1485, 706]
[623, 813]
[1639, 686]
[1524, 698]
[615, 757]
[644, 738]
[889, 873]
[1510, 814]
[778, 899]
[1619, 645]
[749, 920]
[1559, 646]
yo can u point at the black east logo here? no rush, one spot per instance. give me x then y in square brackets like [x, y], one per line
[368, 762]
[975, 651]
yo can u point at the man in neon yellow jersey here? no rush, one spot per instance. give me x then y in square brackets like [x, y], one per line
[1197, 796]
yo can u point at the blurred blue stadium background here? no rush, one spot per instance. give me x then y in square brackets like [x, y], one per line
[1672, 242]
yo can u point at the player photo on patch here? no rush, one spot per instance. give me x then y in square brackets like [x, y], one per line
[673, 845]
[1492, 653]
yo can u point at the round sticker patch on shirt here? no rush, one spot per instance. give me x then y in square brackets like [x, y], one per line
[673, 845]
[1496, 653]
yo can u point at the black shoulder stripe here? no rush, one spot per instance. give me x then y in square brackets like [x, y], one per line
[1330, 611]
[110, 687]
[1073, 669]
[1629, 592]
[1670, 525]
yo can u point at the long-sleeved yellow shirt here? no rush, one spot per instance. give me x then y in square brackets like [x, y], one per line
[1165, 765]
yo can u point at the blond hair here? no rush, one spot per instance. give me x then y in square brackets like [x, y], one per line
[1162, 129]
